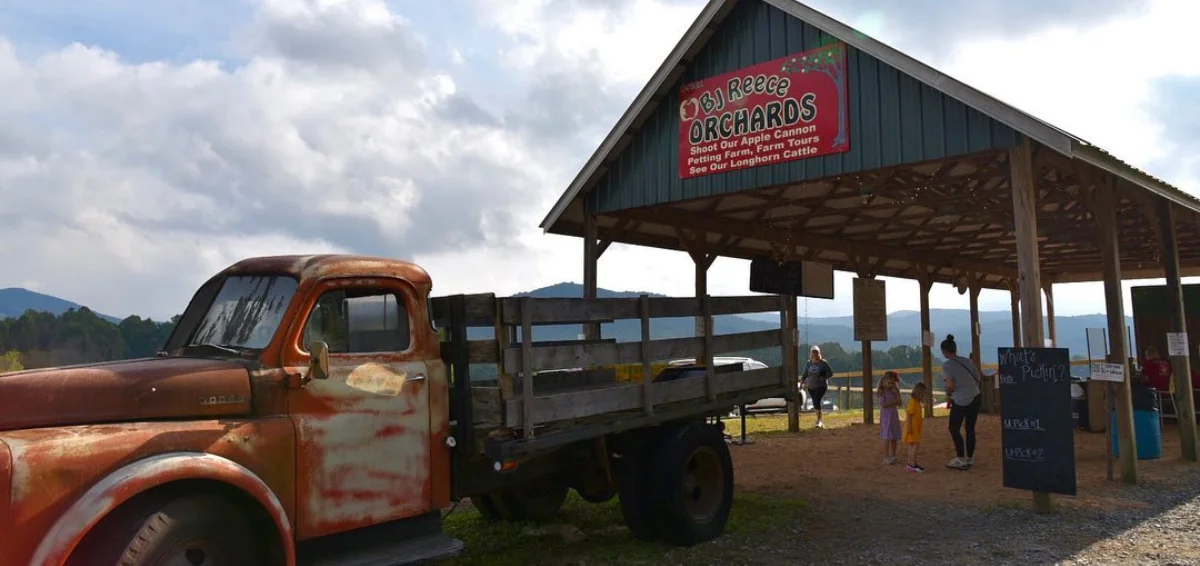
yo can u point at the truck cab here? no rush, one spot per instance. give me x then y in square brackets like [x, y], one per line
[298, 398]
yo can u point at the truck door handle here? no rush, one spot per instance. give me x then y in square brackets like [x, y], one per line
[418, 377]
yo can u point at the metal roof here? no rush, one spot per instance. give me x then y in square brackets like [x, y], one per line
[703, 28]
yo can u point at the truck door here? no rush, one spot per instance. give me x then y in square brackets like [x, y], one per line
[363, 454]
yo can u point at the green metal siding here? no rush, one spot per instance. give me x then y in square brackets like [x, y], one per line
[893, 119]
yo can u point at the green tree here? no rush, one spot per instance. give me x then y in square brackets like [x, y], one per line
[11, 361]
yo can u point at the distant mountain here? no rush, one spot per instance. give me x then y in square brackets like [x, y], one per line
[14, 301]
[904, 327]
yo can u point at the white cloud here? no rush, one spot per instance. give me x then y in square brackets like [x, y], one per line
[125, 184]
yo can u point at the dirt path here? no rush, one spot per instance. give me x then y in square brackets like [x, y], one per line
[864, 512]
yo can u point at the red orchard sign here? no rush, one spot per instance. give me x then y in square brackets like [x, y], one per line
[791, 108]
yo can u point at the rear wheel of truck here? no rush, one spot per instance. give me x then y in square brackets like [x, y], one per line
[195, 530]
[693, 481]
[635, 489]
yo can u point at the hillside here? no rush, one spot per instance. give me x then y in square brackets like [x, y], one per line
[14, 301]
[904, 327]
[835, 334]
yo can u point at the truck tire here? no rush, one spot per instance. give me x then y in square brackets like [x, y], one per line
[535, 501]
[635, 489]
[200, 530]
[693, 485]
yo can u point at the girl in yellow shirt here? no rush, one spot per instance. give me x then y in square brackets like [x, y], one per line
[914, 419]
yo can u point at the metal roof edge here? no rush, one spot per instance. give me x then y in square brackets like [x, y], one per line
[643, 98]
[1010, 116]
[1096, 157]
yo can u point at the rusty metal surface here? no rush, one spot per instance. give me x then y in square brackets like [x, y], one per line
[313, 268]
[124, 391]
[53, 468]
[5, 491]
[364, 446]
[366, 435]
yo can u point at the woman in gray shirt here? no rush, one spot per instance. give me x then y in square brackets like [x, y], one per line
[962, 385]
[815, 378]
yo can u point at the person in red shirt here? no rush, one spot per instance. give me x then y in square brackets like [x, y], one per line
[1157, 370]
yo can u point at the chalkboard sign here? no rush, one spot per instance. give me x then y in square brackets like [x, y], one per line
[1037, 434]
[799, 278]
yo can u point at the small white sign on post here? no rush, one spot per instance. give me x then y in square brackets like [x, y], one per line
[1177, 344]
[1108, 372]
[927, 339]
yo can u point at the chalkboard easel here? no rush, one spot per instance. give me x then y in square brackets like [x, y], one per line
[1038, 435]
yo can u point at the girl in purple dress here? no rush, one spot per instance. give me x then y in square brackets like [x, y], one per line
[889, 414]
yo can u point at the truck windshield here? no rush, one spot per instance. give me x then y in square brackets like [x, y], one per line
[245, 314]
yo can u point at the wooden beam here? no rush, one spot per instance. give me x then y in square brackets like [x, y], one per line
[1105, 213]
[926, 285]
[682, 219]
[1185, 407]
[1029, 282]
[791, 360]
[1052, 330]
[591, 257]
[1015, 309]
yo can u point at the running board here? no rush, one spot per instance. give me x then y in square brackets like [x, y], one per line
[420, 550]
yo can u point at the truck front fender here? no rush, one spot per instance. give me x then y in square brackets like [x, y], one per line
[144, 475]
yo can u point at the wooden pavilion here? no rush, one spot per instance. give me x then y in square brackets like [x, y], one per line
[928, 178]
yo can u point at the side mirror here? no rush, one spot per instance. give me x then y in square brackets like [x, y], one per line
[318, 363]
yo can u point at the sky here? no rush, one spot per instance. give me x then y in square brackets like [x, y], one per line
[145, 146]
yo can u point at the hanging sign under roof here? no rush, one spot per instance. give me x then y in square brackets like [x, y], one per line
[794, 107]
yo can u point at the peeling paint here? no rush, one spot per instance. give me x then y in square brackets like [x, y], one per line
[376, 379]
[363, 447]
[53, 467]
[114, 489]
[363, 434]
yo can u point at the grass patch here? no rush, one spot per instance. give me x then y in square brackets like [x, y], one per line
[596, 534]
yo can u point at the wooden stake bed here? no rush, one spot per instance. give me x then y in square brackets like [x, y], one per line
[574, 394]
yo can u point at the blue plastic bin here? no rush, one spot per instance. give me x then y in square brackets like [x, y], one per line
[1147, 430]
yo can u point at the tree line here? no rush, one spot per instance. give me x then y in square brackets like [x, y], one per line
[40, 339]
[77, 336]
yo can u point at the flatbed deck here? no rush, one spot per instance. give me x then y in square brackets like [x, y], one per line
[511, 416]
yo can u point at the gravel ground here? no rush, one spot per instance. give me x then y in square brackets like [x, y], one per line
[861, 512]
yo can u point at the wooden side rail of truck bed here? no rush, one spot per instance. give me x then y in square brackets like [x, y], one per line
[589, 407]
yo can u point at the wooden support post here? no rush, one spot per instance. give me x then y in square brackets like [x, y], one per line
[1048, 287]
[701, 292]
[647, 376]
[527, 422]
[1029, 278]
[1105, 213]
[503, 340]
[793, 361]
[926, 283]
[868, 386]
[866, 270]
[710, 376]
[988, 397]
[1015, 308]
[1185, 406]
[591, 258]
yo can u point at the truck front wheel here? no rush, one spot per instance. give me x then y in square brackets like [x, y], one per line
[693, 479]
[197, 530]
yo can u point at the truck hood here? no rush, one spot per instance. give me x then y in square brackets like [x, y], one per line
[152, 388]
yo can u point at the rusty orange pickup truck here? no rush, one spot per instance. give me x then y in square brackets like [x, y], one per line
[322, 410]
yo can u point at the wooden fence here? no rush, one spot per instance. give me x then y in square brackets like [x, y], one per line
[849, 396]
[521, 360]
